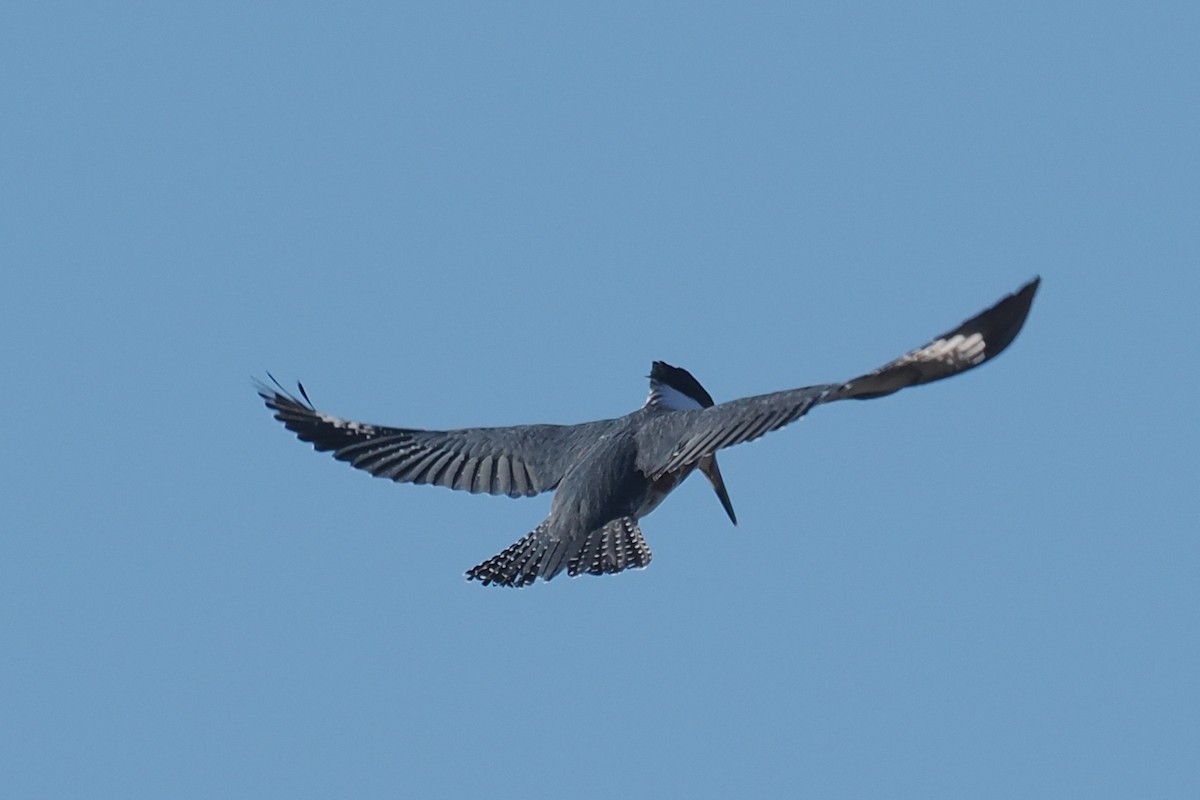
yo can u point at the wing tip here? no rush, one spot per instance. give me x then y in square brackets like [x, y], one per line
[275, 396]
[1001, 323]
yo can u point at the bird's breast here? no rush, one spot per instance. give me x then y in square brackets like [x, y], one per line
[661, 487]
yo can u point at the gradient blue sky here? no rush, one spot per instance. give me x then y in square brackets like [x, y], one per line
[461, 214]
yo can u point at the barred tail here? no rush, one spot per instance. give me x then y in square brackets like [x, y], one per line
[521, 563]
[611, 548]
[616, 546]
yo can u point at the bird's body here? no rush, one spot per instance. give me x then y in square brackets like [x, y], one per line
[608, 474]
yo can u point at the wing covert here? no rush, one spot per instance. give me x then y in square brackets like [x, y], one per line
[672, 441]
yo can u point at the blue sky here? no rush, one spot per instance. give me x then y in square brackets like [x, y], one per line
[463, 214]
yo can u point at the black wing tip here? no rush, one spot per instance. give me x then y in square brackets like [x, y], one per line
[298, 415]
[1025, 294]
[1001, 323]
[278, 398]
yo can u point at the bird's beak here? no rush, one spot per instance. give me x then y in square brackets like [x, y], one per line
[708, 465]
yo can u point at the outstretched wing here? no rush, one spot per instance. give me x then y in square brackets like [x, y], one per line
[977, 340]
[672, 441]
[524, 460]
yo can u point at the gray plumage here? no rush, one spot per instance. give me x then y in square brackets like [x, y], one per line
[608, 474]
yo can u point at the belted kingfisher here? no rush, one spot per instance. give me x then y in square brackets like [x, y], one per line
[607, 475]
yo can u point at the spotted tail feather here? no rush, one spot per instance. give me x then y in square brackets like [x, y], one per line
[616, 546]
[521, 563]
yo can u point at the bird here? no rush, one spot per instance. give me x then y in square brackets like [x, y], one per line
[607, 475]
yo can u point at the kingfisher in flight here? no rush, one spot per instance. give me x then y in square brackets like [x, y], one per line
[608, 474]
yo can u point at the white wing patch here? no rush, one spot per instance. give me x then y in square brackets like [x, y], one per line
[345, 424]
[957, 350]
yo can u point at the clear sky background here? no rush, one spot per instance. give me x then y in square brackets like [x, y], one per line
[462, 214]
